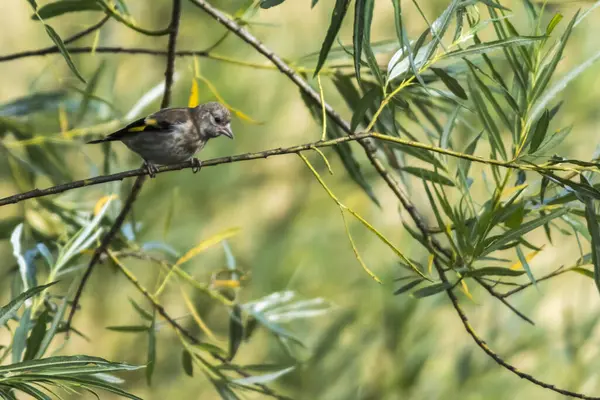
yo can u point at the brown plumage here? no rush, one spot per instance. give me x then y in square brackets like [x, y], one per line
[174, 135]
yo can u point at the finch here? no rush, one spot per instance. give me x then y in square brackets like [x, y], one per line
[174, 135]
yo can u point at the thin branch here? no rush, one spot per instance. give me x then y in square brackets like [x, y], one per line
[139, 182]
[497, 358]
[83, 33]
[500, 297]
[170, 320]
[245, 157]
[519, 288]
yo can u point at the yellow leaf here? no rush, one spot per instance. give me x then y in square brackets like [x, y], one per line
[196, 316]
[465, 290]
[95, 42]
[63, 121]
[509, 191]
[194, 94]
[205, 244]
[221, 100]
[103, 200]
[430, 263]
[528, 257]
[226, 283]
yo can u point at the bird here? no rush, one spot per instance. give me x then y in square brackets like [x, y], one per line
[173, 135]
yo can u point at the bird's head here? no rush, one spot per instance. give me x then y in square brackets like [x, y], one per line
[215, 120]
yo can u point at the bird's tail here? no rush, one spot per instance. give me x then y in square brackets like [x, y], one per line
[106, 139]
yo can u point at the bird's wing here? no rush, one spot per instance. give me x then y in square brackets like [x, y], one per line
[159, 121]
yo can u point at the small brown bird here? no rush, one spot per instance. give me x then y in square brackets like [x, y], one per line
[174, 135]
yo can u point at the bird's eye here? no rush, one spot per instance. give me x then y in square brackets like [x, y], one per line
[218, 120]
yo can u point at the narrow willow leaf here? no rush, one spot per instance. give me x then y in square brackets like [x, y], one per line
[553, 22]
[515, 234]
[525, 265]
[128, 328]
[465, 165]
[236, 331]
[493, 4]
[451, 83]
[428, 175]
[486, 47]
[263, 379]
[141, 312]
[151, 355]
[421, 154]
[594, 229]
[63, 51]
[548, 70]
[270, 3]
[584, 272]
[432, 289]
[360, 24]
[186, 362]
[339, 12]
[539, 134]
[487, 121]
[36, 336]
[497, 271]
[65, 6]
[409, 286]
[369, 53]
[561, 84]
[489, 96]
[9, 310]
[370, 99]
[20, 336]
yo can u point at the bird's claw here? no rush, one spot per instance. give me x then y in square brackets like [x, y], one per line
[151, 169]
[196, 165]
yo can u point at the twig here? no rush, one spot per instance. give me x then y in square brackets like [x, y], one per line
[483, 346]
[528, 284]
[171, 321]
[137, 186]
[500, 297]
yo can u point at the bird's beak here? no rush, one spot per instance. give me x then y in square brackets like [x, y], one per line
[227, 131]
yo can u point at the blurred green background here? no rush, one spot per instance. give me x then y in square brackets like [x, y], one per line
[370, 344]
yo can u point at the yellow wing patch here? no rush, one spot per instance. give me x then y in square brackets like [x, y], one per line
[147, 122]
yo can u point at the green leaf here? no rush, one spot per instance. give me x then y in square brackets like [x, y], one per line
[339, 12]
[432, 289]
[584, 272]
[486, 47]
[553, 22]
[36, 336]
[270, 3]
[63, 50]
[360, 24]
[128, 328]
[186, 362]
[548, 69]
[37, 102]
[9, 310]
[428, 175]
[262, 379]
[151, 358]
[465, 165]
[451, 83]
[409, 286]
[487, 121]
[594, 229]
[419, 153]
[142, 313]
[371, 60]
[370, 99]
[515, 234]
[541, 128]
[66, 6]
[236, 331]
[526, 266]
[497, 271]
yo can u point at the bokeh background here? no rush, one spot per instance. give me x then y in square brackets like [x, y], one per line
[370, 344]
